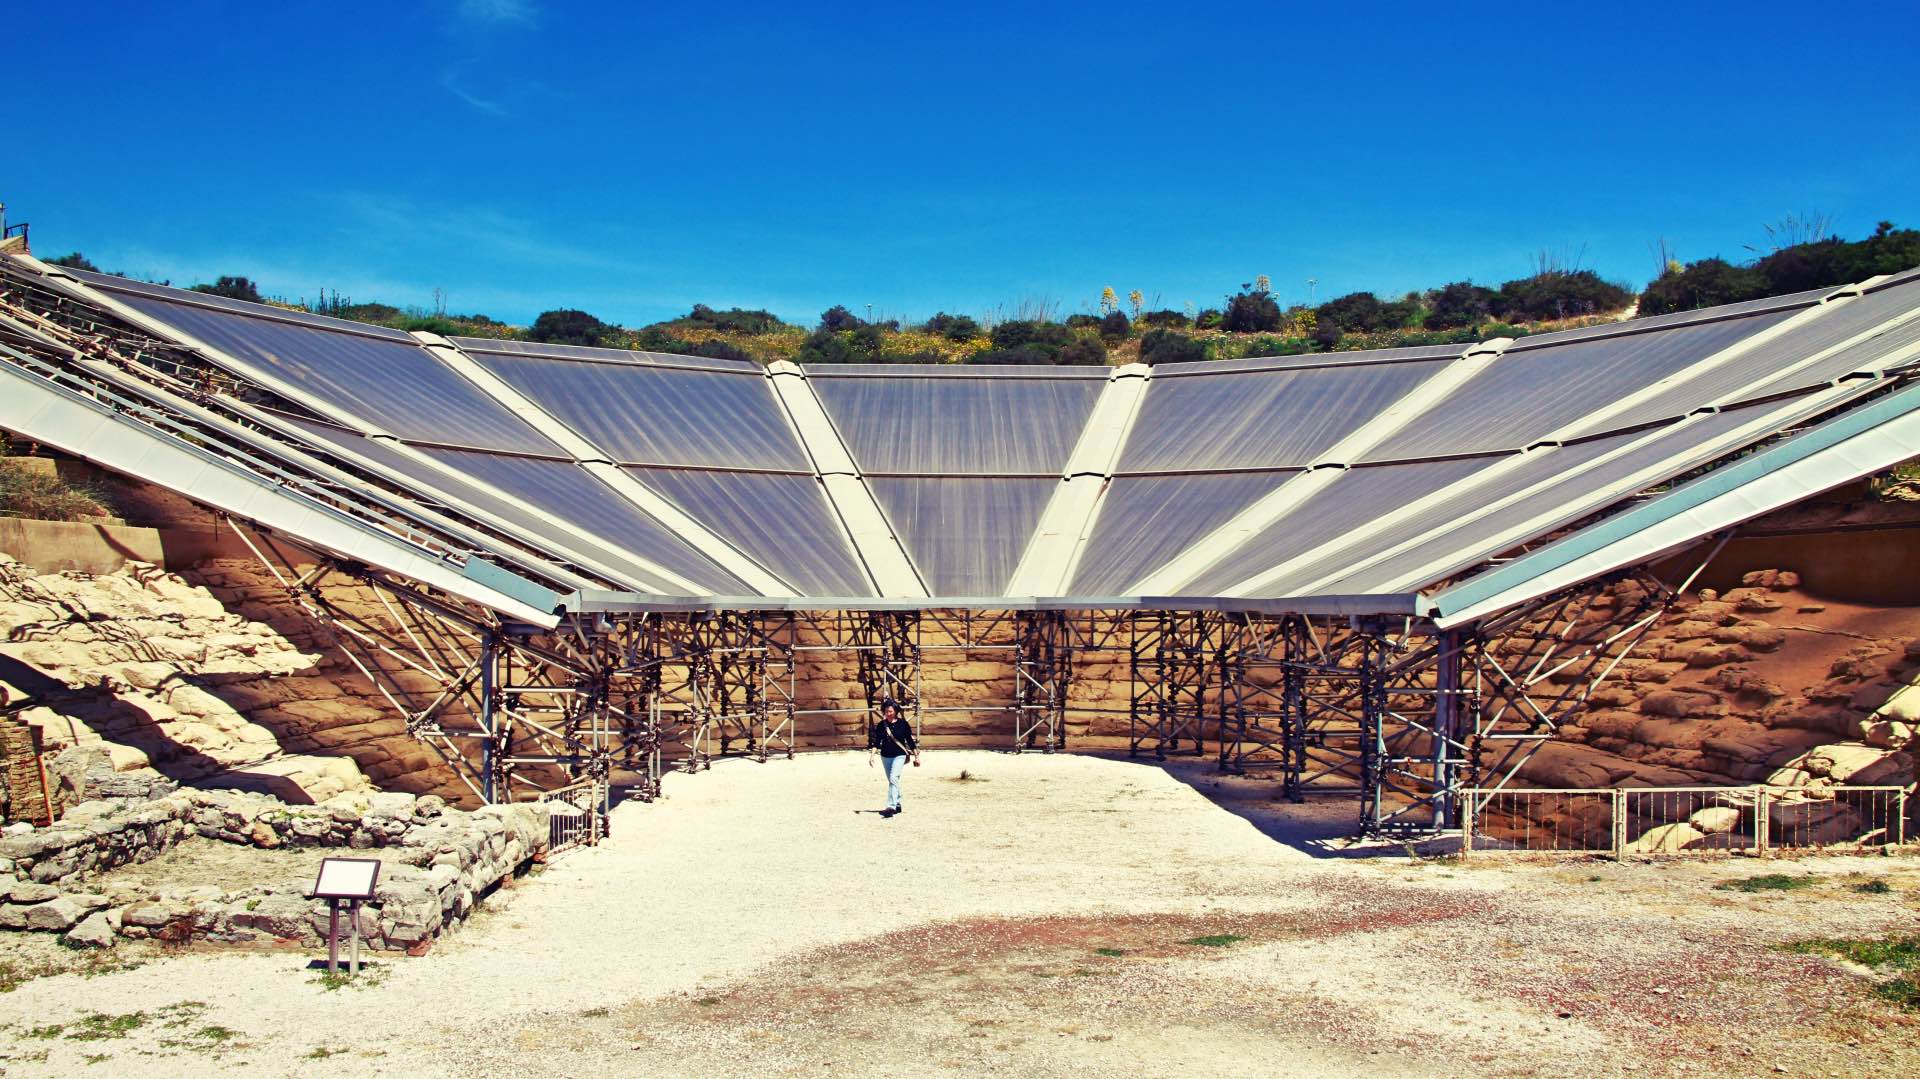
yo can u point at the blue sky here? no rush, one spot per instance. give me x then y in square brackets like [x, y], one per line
[635, 159]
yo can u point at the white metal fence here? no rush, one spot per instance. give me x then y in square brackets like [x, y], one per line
[1683, 820]
[576, 815]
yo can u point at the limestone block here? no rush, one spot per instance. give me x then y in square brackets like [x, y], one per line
[1715, 819]
[1666, 839]
[57, 915]
[94, 931]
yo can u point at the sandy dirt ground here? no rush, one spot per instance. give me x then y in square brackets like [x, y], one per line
[1046, 916]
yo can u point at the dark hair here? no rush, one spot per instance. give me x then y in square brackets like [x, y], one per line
[889, 702]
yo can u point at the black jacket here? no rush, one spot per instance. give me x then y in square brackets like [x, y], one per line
[893, 738]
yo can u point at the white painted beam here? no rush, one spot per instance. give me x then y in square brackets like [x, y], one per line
[1053, 552]
[874, 541]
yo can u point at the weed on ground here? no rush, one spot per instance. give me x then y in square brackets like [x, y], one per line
[1767, 882]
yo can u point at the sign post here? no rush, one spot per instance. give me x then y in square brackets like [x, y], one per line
[350, 881]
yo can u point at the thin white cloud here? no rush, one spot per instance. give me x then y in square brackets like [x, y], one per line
[493, 12]
[452, 85]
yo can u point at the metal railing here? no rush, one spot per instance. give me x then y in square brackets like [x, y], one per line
[576, 815]
[1683, 820]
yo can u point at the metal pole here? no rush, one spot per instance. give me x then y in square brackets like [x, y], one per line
[333, 935]
[354, 919]
[489, 693]
[1446, 726]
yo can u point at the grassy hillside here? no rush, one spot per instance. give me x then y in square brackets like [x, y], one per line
[1249, 322]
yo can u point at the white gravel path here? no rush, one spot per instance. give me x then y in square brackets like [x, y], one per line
[735, 868]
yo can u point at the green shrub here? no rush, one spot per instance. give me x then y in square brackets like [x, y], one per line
[1363, 312]
[1209, 319]
[1116, 327]
[1251, 311]
[1081, 352]
[1560, 294]
[837, 319]
[953, 327]
[1163, 319]
[76, 260]
[1001, 357]
[1461, 303]
[1083, 322]
[1049, 337]
[1707, 283]
[1168, 346]
[1275, 346]
[38, 496]
[568, 326]
[233, 288]
[735, 320]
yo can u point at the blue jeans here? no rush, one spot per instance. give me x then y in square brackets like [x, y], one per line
[893, 766]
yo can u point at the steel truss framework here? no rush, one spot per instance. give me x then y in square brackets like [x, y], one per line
[1392, 711]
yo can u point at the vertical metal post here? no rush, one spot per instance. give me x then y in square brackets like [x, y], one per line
[489, 703]
[1446, 728]
[1619, 824]
[353, 918]
[333, 935]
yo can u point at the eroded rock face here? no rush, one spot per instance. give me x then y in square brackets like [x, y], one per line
[1761, 685]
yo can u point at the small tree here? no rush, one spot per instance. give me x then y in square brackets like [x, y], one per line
[1081, 352]
[837, 319]
[1166, 346]
[1461, 303]
[1252, 310]
[76, 261]
[1116, 327]
[233, 288]
[953, 327]
[567, 326]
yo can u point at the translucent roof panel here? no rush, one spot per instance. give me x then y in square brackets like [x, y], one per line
[1345, 506]
[437, 490]
[1543, 384]
[1662, 455]
[1883, 351]
[1144, 521]
[781, 521]
[655, 414]
[1737, 377]
[953, 424]
[1273, 417]
[572, 494]
[380, 376]
[965, 533]
[1493, 479]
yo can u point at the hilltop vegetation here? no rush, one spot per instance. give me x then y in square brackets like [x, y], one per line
[1248, 322]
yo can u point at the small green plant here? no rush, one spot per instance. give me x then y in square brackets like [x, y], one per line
[1873, 887]
[331, 980]
[1766, 882]
[594, 1013]
[707, 1002]
[99, 1026]
[1898, 953]
[96, 1058]
[1111, 953]
[46, 1033]
[1216, 940]
[321, 1052]
[967, 776]
[1903, 992]
[216, 1034]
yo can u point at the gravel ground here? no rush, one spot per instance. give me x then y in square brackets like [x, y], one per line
[1038, 919]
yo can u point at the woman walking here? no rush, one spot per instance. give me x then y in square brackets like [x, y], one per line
[893, 739]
